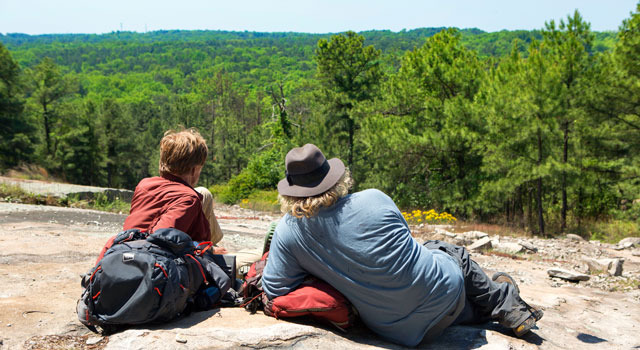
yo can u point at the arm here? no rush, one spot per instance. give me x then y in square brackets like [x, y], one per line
[282, 274]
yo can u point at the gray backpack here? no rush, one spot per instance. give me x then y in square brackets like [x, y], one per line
[148, 279]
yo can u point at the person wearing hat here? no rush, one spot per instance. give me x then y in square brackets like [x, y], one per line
[361, 244]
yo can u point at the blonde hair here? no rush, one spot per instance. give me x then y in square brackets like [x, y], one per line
[309, 206]
[181, 151]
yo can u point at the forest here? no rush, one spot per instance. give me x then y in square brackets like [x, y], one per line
[538, 130]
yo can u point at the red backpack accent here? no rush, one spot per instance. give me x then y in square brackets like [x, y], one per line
[313, 297]
[316, 298]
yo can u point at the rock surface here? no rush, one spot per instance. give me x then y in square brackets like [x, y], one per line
[56, 245]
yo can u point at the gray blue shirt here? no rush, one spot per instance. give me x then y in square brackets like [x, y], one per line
[362, 246]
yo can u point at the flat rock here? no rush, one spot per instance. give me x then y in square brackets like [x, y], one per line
[508, 247]
[574, 237]
[475, 234]
[481, 244]
[528, 246]
[568, 275]
[225, 329]
[93, 340]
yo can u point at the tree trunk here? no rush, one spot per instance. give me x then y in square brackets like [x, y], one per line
[47, 128]
[539, 186]
[529, 220]
[351, 133]
[518, 208]
[213, 131]
[565, 158]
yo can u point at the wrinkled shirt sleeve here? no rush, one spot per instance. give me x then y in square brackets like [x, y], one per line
[282, 273]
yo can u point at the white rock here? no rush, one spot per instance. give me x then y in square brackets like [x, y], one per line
[568, 275]
[615, 269]
[508, 247]
[181, 338]
[611, 266]
[629, 240]
[481, 244]
[444, 232]
[626, 245]
[528, 246]
[93, 340]
[475, 234]
[573, 237]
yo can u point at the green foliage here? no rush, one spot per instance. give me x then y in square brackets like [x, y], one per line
[15, 194]
[613, 231]
[427, 130]
[262, 200]
[17, 133]
[350, 74]
[530, 128]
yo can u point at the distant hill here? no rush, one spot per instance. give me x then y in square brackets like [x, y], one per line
[70, 49]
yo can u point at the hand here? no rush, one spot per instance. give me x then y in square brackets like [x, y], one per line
[219, 250]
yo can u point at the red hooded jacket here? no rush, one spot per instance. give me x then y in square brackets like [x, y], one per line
[166, 202]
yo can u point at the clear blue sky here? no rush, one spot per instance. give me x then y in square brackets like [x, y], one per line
[328, 16]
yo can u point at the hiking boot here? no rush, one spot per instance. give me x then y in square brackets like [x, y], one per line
[502, 277]
[530, 322]
[525, 326]
[536, 313]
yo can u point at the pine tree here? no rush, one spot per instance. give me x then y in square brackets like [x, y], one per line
[569, 47]
[350, 74]
[17, 134]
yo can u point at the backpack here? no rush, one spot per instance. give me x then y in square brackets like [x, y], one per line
[148, 279]
[313, 297]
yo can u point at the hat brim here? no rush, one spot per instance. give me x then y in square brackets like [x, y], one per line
[336, 171]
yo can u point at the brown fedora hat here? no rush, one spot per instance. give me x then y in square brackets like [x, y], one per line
[309, 173]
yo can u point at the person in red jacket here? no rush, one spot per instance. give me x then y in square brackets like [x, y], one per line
[170, 200]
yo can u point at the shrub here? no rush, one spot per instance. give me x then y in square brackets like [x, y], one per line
[263, 172]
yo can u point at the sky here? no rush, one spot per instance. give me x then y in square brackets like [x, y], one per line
[328, 16]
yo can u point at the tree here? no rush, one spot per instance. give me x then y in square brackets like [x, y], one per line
[49, 86]
[424, 137]
[612, 130]
[521, 104]
[569, 46]
[80, 151]
[17, 133]
[350, 74]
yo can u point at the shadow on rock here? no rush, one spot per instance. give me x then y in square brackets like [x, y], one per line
[187, 321]
[531, 337]
[590, 339]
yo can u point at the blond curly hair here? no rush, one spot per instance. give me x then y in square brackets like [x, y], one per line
[309, 206]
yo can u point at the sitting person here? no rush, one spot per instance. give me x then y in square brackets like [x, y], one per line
[361, 245]
[170, 200]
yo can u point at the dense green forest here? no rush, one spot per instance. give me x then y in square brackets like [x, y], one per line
[535, 129]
